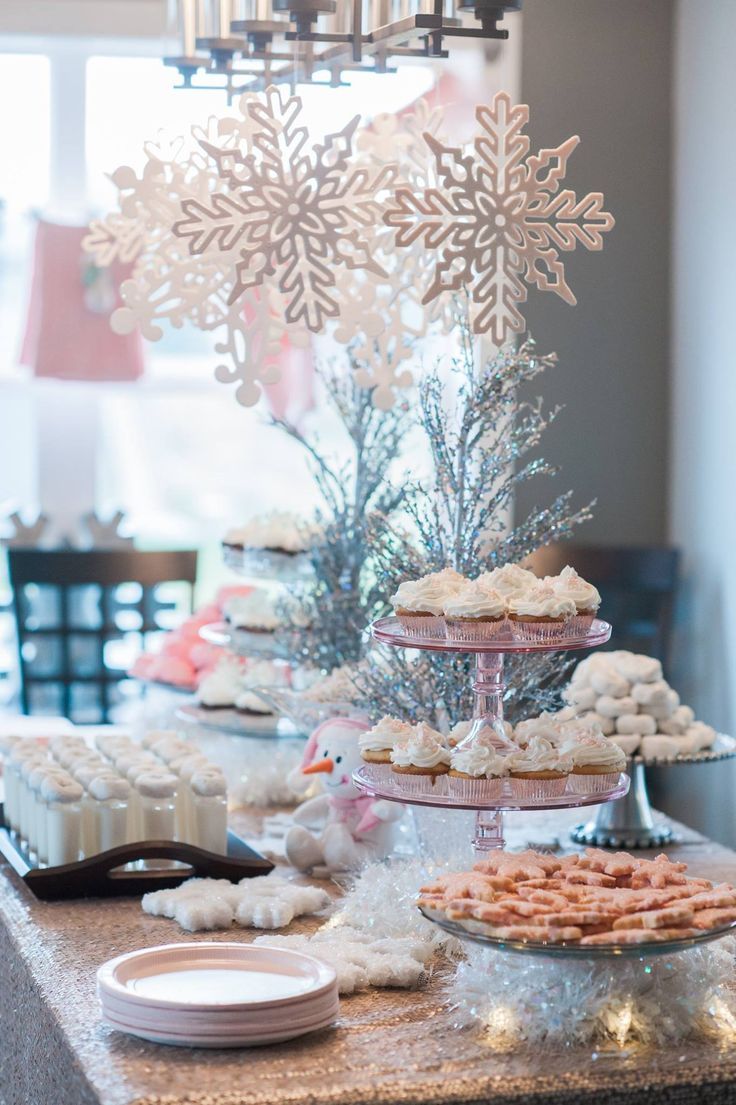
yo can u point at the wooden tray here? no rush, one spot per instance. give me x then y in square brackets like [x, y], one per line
[105, 876]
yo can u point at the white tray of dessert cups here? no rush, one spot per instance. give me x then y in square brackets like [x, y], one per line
[210, 994]
[237, 723]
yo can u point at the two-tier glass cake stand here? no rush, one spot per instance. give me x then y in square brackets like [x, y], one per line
[488, 689]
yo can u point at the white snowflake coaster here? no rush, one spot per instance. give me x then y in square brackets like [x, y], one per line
[497, 220]
[265, 902]
[361, 960]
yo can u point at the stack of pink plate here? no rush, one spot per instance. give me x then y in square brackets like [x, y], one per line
[217, 995]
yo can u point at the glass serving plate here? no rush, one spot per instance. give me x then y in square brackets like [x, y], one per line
[245, 642]
[575, 951]
[236, 723]
[267, 564]
[304, 713]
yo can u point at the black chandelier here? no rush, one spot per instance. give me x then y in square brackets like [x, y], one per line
[245, 45]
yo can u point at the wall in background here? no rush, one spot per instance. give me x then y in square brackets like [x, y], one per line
[703, 474]
[603, 71]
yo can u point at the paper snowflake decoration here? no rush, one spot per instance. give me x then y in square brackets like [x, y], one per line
[497, 219]
[297, 216]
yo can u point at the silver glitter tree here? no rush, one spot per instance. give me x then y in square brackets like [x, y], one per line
[481, 437]
[357, 497]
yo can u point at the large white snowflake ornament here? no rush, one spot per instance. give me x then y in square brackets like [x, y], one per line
[497, 219]
[297, 216]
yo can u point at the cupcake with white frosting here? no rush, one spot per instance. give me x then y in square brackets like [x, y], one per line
[476, 773]
[279, 531]
[255, 612]
[540, 614]
[420, 763]
[219, 689]
[377, 743]
[419, 604]
[474, 613]
[539, 771]
[509, 580]
[586, 597]
[596, 763]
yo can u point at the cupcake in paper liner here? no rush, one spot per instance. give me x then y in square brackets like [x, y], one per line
[540, 615]
[477, 773]
[539, 771]
[586, 597]
[474, 614]
[376, 745]
[596, 762]
[420, 763]
[419, 603]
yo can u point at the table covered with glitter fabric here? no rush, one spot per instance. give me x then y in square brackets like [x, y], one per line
[388, 1046]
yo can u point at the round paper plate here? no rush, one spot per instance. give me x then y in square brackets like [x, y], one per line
[192, 1039]
[227, 1021]
[208, 976]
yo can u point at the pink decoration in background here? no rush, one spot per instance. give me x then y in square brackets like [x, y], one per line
[68, 335]
[292, 395]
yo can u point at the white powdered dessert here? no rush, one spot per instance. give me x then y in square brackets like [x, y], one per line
[157, 793]
[109, 798]
[419, 604]
[219, 689]
[63, 797]
[596, 763]
[477, 773]
[586, 597]
[474, 613]
[420, 763]
[539, 614]
[209, 810]
[538, 771]
[338, 686]
[255, 612]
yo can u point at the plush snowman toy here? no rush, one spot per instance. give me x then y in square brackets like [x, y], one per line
[356, 828]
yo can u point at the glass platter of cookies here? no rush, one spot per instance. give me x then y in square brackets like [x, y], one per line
[590, 905]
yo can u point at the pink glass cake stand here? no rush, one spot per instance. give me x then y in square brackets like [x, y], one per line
[488, 688]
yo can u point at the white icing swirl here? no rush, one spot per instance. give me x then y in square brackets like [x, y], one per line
[510, 579]
[542, 602]
[428, 594]
[338, 686]
[595, 751]
[278, 530]
[384, 735]
[479, 760]
[540, 755]
[475, 601]
[422, 749]
[572, 586]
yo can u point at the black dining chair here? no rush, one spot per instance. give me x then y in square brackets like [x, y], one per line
[638, 589]
[81, 616]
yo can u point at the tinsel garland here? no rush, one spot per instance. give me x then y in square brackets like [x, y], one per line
[650, 1000]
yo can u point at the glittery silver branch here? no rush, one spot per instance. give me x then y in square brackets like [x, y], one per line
[481, 445]
[357, 496]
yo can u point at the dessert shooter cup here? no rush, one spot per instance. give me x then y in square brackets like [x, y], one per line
[209, 811]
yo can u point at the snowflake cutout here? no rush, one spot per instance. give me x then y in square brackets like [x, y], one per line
[298, 217]
[497, 219]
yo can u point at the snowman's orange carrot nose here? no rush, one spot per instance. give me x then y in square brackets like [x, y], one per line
[321, 765]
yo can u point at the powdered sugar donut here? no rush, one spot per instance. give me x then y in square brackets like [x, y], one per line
[651, 694]
[643, 724]
[627, 742]
[608, 682]
[607, 724]
[704, 735]
[663, 710]
[678, 722]
[660, 747]
[614, 707]
[637, 668]
[582, 697]
[598, 661]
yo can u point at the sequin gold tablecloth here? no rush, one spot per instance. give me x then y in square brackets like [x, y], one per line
[388, 1047]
